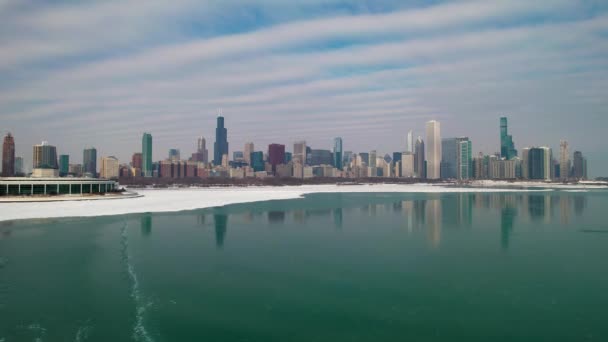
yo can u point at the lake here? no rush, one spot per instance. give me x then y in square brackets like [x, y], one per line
[504, 266]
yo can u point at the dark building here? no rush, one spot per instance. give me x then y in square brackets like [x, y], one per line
[8, 156]
[364, 157]
[337, 155]
[220, 147]
[257, 161]
[288, 157]
[449, 158]
[137, 161]
[536, 163]
[321, 157]
[276, 155]
[579, 169]
[89, 162]
[419, 164]
[507, 147]
[64, 165]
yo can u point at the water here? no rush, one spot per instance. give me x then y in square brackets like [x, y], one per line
[330, 267]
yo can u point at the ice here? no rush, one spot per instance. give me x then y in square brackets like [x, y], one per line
[170, 200]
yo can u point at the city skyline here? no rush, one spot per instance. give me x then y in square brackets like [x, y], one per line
[364, 72]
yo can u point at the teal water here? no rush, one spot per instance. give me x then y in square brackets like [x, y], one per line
[329, 267]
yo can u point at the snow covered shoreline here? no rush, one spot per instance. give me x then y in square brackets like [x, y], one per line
[172, 200]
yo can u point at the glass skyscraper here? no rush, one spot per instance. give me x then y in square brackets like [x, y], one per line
[220, 147]
[146, 155]
[338, 153]
[257, 161]
[89, 162]
[507, 147]
[64, 165]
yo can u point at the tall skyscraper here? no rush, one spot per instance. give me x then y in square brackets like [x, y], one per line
[579, 170]
[507, 147]
[64, 165]
[19, 171]
[539, 163]
[409, 144]
[202, 154]
[465, 159]
[247, 151]
[419, 169]
[45, 156]
[276, 155]
[449, 158]
[257, 161]
[89, 162]
[146, 154]
[372, 158]
[220, 147]
[338, 153]
[109, 167]
[299, 152]
[433, 149]
[564, 160]
[8, 156]
[137, 161]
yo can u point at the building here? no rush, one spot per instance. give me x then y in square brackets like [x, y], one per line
[539, 163]
[409, 144]
[372, 160]
[364, 156]
[8, 156]
[433, 150]
[288, 157]
[507, 147]
[89, 162]
[110, 168]
[299, 152]
[449, 158]
[337, 162]
[64, 165]
[146, 152]
[174, 155]
[238, 156]
[276, 155]
[220, 147]
[564, 160]
[201, 150]
[257, 161]
[247, 152]
[45, 156]
[525, 160]
[500, 168]
[419, 160]
[19, 170]
[579, 170]
[75, 170]
[407, 165]
[465, 159]
[18, 186]
[321, 157]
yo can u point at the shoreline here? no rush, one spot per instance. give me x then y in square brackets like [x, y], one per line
[182, 199]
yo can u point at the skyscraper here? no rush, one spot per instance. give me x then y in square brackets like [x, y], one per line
[220, 147]
[146, 155]
[449, 158]
[174, 155]
[409, 144]
[465, 159]
[257, 161]
[64, 165]
[419, 168]
[109, 167]
[8, 156]
[19, 171]
[433, 149]
[338, 153]
[276, 155]
[202, 155]
[564, 160]
[539, 163]
[247, 152]
[45, 156]
[89, 162]
[579, 170]
[299, 152]
[507, 147]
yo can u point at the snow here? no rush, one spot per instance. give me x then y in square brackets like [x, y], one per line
[171, 200]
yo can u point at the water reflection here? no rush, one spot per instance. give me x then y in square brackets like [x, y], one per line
[338, 218]
[276, 216]
[146, 225]
[221, 226]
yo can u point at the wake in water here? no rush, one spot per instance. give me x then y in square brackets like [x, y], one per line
[139, 330]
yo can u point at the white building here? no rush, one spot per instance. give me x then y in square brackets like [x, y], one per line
[409, 144]
[247, 152]
[564, 160]
[407, 165]
[433, 149]
[110, 168]
[299, 152]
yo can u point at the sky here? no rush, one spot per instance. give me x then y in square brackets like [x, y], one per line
[100, 73]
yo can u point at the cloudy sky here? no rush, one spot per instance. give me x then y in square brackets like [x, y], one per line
[100, 73]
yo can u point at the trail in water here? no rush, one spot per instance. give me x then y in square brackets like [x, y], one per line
[139, 330]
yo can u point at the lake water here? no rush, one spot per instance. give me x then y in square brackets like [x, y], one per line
[329, 267]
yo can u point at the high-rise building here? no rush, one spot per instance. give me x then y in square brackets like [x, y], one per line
[338, 153]
[220, 147]
[201, 154]
[45, 156]
[539, 163]
[372, 158]
[409, 144]
[89, 162]
[433, 149]
[365, 158]
[564, 160]
[465, 159]
[109, 167]
[449, 158]
[299, 152]
[257, 161]
[276, 155]
[321, 157]
[579, 170]
[64, 165]
[174, 155]
[525, 161]
[146, 153]
[407, 165]
[137, 161]
[247, 152]
[419, 164]
[8, 156]
[238, 156]
[507, 147]
[19, 171]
